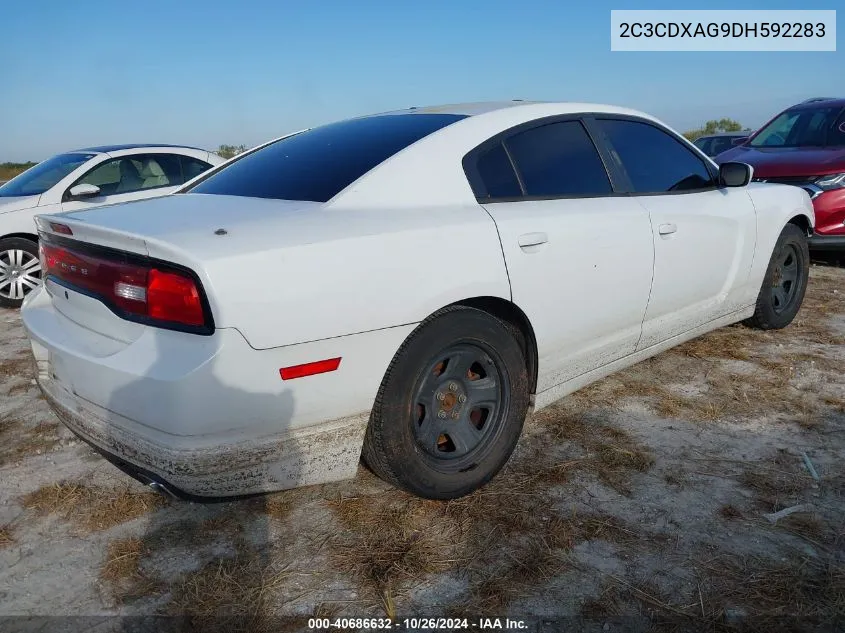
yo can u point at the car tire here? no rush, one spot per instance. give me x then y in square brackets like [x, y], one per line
[785, 282]
[451, 406]
[17, 270]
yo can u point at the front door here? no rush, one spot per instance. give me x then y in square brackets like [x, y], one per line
[704, 236]
[579, 258]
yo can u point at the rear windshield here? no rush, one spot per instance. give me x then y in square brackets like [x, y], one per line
[319, 163]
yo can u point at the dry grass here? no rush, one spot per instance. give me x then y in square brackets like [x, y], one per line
[122, 560]
[6, 538]
[19, 366]
[507, 539]
[735, 593]
[129, 572]
[764, 390]
[808, 590]
[730, 512]
[778, 482]
[231, 594]
[816, 530]
[387, 542]
[38, 440]
[611, 454]
[122, 574]
[91, 509]
[736, 342]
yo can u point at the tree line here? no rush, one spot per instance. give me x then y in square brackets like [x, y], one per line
[714, 127]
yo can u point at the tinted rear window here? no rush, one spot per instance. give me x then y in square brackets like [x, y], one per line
[316, 165]
[497, 174]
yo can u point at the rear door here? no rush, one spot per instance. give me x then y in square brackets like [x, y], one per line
[704, 236]
[579, 257]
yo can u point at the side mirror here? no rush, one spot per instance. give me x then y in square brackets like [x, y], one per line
[82, 191]
[733, 174]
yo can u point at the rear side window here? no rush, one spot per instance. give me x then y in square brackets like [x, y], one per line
[558, 160]
[192, 167]
[497, 174]
[656, 162]
[317, 164]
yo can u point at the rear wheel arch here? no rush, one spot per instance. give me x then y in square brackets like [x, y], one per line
[414, 397]
[25, 236]
[511, 313]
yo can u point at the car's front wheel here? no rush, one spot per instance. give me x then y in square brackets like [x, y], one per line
[451, 406]
[20, 270]
[785, 281]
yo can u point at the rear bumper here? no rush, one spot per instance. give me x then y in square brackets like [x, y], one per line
[819, 242]
[329, 452]
[207, 416]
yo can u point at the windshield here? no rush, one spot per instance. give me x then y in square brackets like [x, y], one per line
[805, 127]
[36, 180]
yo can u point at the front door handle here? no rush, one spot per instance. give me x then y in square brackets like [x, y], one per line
[532, 239]
[667, 229]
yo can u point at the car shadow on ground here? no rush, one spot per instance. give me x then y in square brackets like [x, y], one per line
[206, 566]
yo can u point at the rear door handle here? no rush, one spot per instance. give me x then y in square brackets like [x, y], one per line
[532, 239]
[667, 229]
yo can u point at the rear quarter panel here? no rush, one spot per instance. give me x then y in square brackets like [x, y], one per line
[325, 273]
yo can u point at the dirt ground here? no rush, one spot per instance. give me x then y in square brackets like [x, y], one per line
[643, 495]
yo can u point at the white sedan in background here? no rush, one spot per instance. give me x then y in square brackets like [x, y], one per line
[78, 180]
[410, 284]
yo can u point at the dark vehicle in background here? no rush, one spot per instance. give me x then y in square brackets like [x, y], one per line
[715, 144]
[804, 146]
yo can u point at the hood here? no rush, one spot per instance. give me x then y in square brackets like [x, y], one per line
[18, 203]
[776, 162]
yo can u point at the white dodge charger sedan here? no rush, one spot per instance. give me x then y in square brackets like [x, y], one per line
[81, 179]
[403, 286]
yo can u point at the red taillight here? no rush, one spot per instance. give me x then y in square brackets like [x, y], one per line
[309, 369]
[173, 297]
[135, 289]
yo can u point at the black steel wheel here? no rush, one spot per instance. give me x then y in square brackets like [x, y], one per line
[461, 405]
[786, 278]
[451, 406]
[785, 281]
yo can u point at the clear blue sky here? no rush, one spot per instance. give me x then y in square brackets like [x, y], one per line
[244, 71]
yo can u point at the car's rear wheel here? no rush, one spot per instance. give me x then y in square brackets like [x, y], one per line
[20, 270]
[785, 282]
[451, 406]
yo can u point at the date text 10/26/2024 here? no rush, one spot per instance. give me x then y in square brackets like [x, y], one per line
[416, 624]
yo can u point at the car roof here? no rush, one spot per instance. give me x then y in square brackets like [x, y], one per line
[819, 101]
[105, 149]
[485, 107]
[464, 109]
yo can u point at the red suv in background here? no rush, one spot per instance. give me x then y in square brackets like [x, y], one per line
[804, 146]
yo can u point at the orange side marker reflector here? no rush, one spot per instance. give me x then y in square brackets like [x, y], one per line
[64, 229]
[309, 369]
